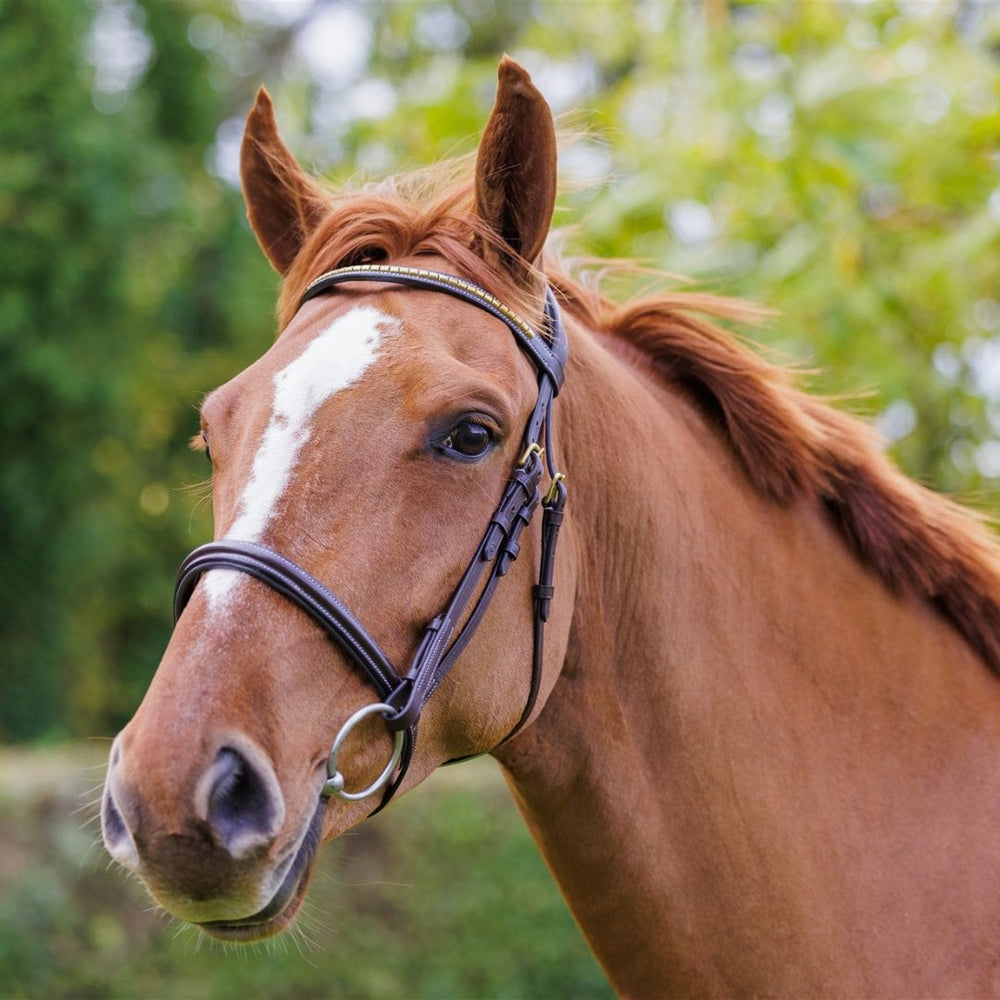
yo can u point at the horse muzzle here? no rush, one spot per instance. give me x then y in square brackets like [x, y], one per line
[217, 855]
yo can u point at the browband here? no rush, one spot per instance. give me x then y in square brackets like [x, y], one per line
[549, 355]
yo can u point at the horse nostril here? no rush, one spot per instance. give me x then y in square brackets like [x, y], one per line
[242, 802]
[115, 827]
[112, 825]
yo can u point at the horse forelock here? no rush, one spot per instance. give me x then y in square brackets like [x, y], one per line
[422, 215]
[792, 446]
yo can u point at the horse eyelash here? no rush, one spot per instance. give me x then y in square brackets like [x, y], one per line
[200, 443]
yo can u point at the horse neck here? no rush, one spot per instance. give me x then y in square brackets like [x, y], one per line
[742, 706]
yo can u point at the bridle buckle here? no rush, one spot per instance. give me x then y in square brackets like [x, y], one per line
[533, 449]
[554, 489]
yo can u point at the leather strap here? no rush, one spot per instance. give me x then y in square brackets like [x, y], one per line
[298, 586]
[549, 355]
[446, 636]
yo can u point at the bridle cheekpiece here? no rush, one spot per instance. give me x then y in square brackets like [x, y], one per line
[403, 695]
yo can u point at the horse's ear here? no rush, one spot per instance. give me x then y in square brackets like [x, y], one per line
[516, 168]
[283, 204]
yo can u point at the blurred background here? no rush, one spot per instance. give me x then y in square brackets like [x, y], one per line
[837, 161]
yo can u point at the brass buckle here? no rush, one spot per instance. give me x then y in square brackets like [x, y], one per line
[553, 493]
[533, 449]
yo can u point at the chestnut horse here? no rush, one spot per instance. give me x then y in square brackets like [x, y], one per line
[758, 741]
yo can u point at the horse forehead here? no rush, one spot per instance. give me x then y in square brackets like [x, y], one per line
[448, 347]
[418, 339]
[450, 325]
[321, 353]
[329, 349]
[305, 371]
[431, 327]
[440, 347]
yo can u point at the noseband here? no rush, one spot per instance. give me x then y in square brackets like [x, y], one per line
[403, 695]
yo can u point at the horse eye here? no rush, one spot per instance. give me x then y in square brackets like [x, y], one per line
[468, 439]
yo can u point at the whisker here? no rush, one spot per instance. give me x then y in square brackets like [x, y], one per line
[190, 934]
[97, 844]
[202, 492]
[92, 802]
[304, 944]
[371, 884]
[200, 489]
[314, 922]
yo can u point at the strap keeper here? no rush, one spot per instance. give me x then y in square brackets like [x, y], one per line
[553, 508]
[407, 711]
[507, 557]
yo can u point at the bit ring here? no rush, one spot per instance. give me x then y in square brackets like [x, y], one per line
[333, 787]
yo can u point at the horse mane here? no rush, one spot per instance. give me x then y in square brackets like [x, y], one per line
[792, 446]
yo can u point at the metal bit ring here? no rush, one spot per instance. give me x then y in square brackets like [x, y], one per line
[334, 784]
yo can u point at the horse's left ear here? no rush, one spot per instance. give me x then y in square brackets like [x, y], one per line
[516, 168]
[283, 204]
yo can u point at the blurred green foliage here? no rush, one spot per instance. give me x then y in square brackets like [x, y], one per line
[837, 161]
[443, 895]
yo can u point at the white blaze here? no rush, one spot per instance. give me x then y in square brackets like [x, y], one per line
[335, 360]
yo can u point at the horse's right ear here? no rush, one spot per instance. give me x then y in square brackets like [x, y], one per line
[283, 204]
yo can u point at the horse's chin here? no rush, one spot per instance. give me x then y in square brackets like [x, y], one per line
[280, 913]
[276, 917]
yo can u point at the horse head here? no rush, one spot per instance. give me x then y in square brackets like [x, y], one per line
[362, 456]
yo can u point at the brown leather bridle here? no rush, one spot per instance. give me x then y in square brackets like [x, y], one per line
[403, 696]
